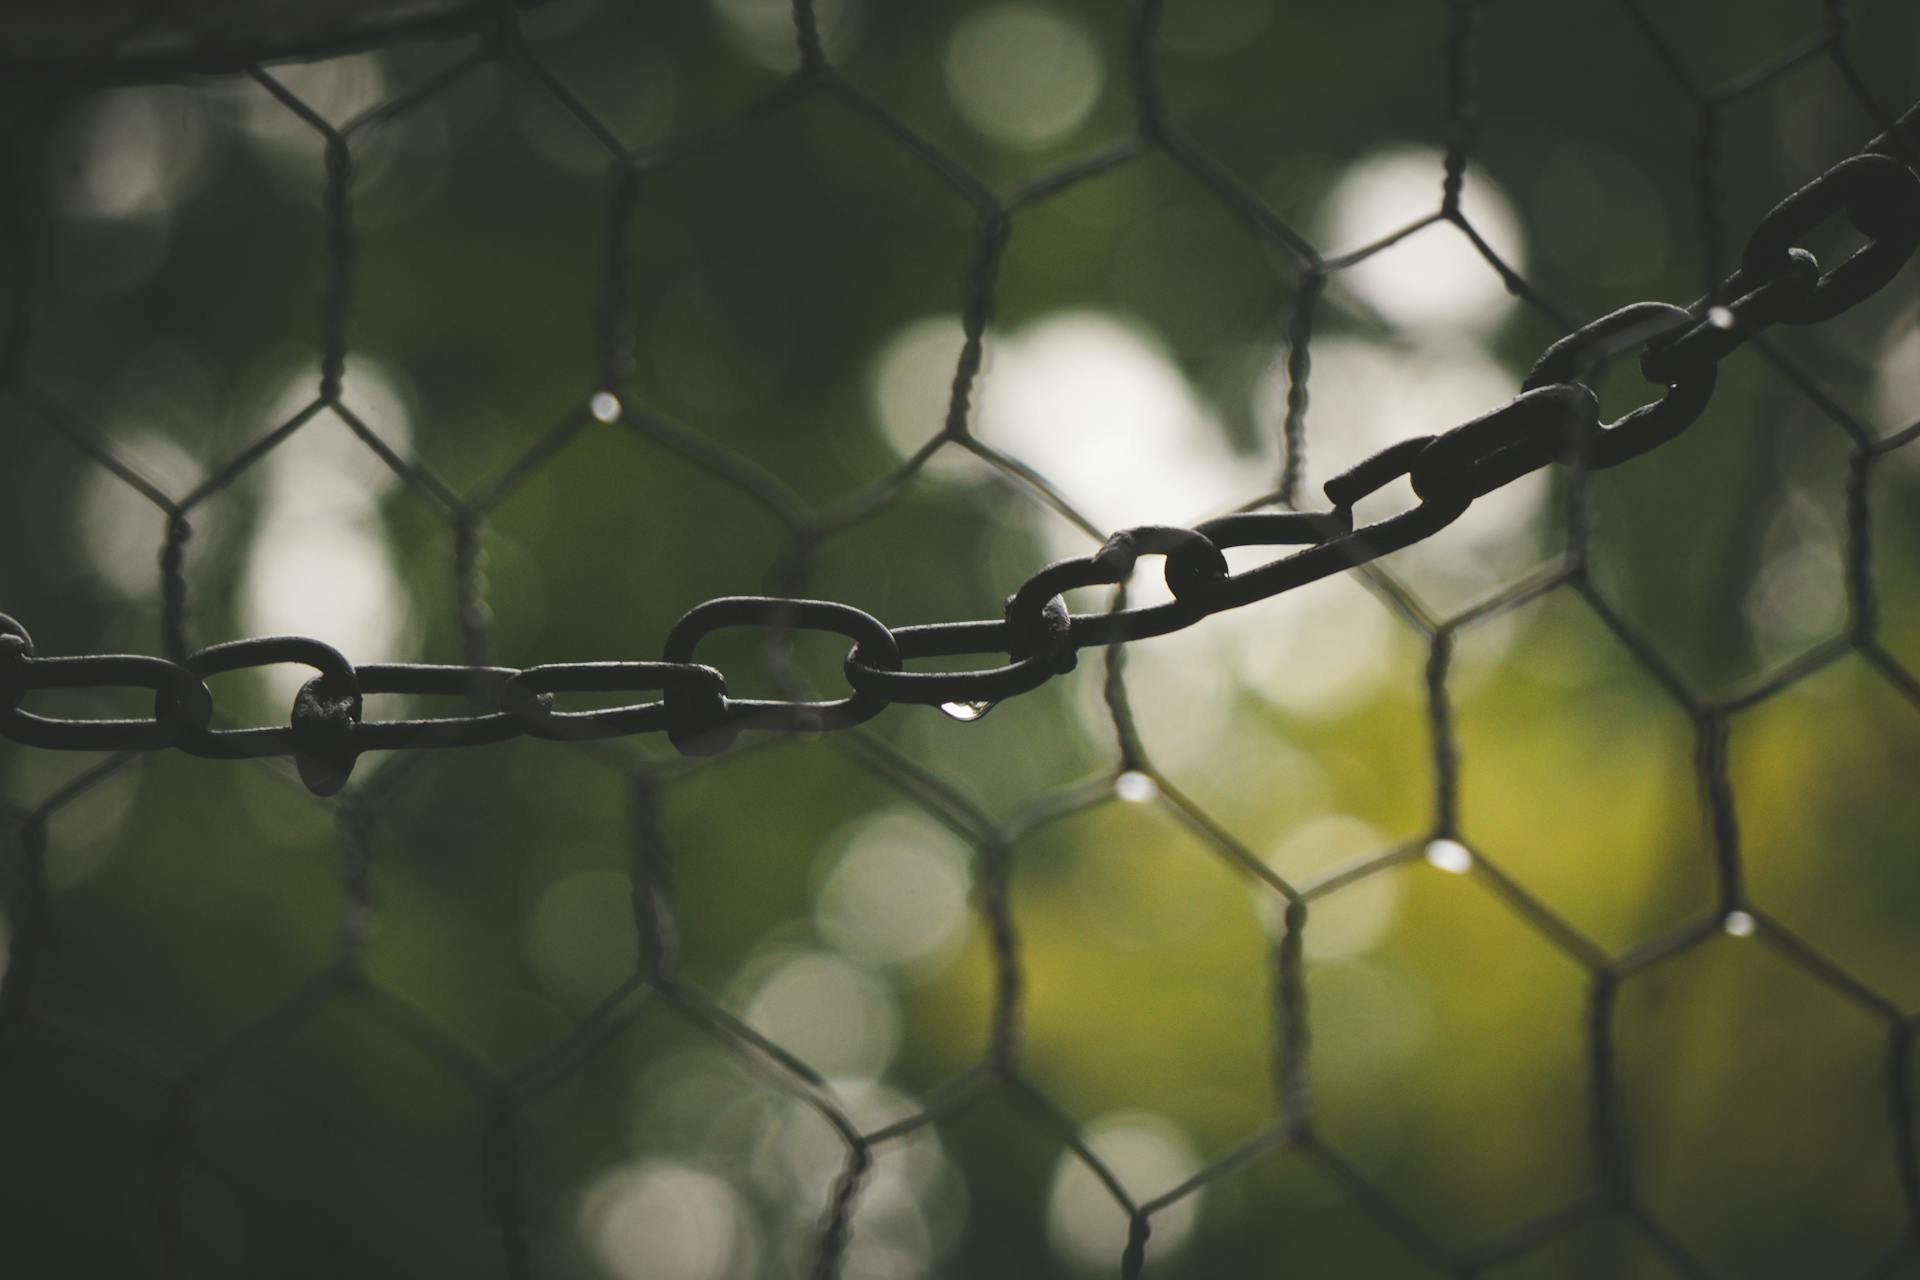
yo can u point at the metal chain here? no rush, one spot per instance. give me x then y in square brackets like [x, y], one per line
[1554, 419]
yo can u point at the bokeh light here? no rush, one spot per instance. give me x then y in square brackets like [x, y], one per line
[833, 1015]
[319, 562]
[762, 30]
[83, 839]
[117, 527]
[1369, 394]
[1434, 279]
[581, 938]
[1799, 596]
[660, 1220]
[1897, 376]
[894, 894]
[1098, 406]
[1147, 1154]
[1360, 916]
[908, 388]
[337, 90]
[1023, 75]
[131, 153]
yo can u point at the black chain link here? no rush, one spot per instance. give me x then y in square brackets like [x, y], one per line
[1554, 419]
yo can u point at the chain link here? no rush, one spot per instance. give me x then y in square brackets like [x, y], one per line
[1554, 419]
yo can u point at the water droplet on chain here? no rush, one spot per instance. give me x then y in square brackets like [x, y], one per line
[1720, 317]
[966, 712]
[605, 406]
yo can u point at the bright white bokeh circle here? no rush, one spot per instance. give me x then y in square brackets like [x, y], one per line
[1023, 75]
[1149, 1154]
[1435, 279]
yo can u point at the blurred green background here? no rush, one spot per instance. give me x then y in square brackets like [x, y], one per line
[188, 1090]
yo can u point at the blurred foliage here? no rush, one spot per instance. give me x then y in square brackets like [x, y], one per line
[171, 258]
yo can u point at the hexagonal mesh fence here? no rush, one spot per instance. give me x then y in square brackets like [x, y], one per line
[1439, 811]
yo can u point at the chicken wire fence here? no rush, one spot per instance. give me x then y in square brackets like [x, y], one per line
[223, 1057]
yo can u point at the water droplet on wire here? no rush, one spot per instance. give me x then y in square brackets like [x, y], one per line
[966, 712]
[1720, 317]
[1738, 924]
[1135, 787]
[605, 406]
[1450, 856]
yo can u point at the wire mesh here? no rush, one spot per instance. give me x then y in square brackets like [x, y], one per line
[505, 1220]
